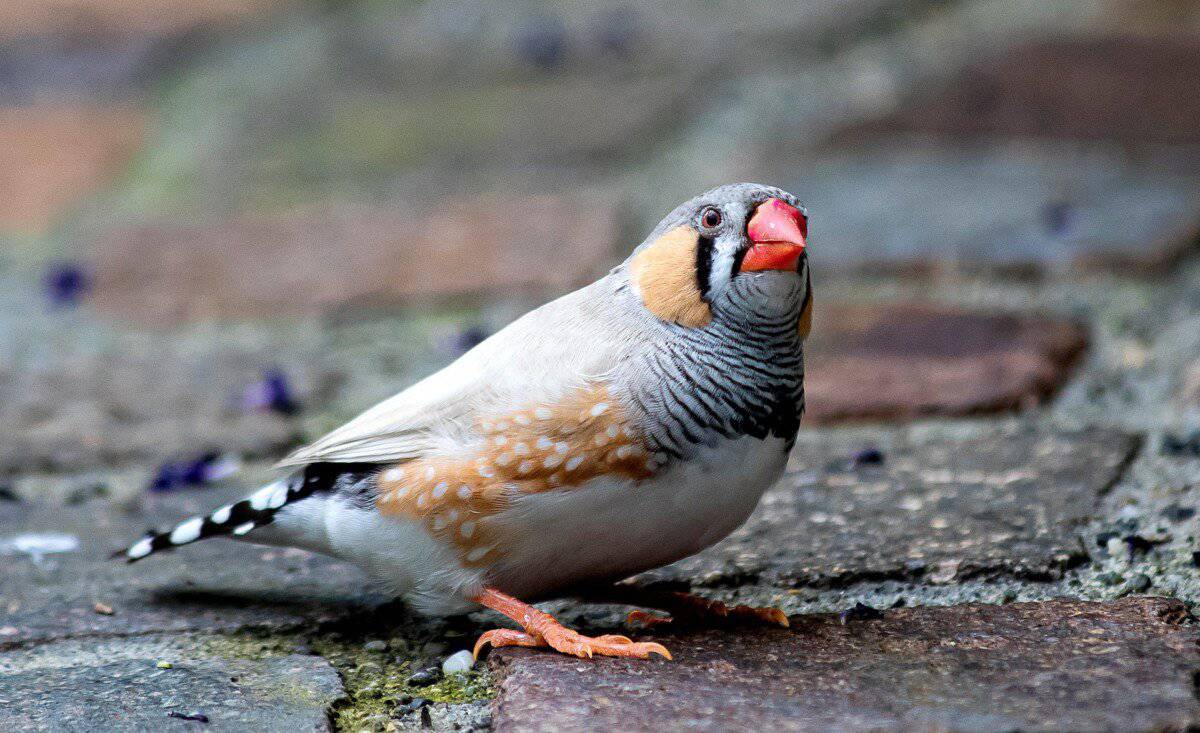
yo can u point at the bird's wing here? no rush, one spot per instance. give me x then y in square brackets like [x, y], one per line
[563, 345]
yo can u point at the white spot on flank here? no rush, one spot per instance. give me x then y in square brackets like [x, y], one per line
[140, 549]
[393, 474]
[430, 472]
[221, 516]
[466, 529]
[625, 451]
[521, 449]
[552, 461]
[599, 409]
[486, 471]
[440, 490]
[573, 463]
[486, 426]
[242, 529]
[464, 492]
[452, 515]
[504, 459]
[439, 523]
[543, 414]
[477, 553]
[522, 419]
[525, 467]
[600, 439]
[422, 500]
[501, 426]
[544, 442]
[560, 447]
[187, 532]
[500, 439]
[612, 431]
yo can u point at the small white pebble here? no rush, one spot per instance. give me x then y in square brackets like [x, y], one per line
[458, 663]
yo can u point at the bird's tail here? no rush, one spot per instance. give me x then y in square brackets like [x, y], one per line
[234, 520]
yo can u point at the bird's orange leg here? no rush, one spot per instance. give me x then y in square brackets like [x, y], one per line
[541, 629]
[687, 608]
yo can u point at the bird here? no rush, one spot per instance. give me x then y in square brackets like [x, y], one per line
[619, 428]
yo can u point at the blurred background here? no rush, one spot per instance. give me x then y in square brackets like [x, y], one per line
[227, 226]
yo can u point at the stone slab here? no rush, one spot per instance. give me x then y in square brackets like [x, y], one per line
[211, 586]
[997, 500]
[1134, 88]
[280, 265]
[288, 693]
[1016, 204]
[80, 396]
[904, 360]
[53, 154]
[105, 18]
[1056, 665]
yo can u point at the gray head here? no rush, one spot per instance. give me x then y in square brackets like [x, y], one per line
[734, 253]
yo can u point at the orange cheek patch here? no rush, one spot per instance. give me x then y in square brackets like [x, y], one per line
[546, 448]
[665, 273]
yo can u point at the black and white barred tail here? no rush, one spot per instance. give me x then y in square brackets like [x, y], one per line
[354, 482]
[236, 519]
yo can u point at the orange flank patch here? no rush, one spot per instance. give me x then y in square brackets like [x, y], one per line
[534, 450]
[665, 273]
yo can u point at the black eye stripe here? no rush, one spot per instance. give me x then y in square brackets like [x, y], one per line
[704, 250]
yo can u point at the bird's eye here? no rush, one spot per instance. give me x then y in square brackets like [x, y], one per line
[710, 217]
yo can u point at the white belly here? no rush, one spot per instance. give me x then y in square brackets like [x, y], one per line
[615, 528]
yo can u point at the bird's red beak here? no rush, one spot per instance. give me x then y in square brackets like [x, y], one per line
[777, 233]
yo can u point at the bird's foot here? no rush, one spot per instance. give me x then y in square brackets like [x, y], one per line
[542, 629]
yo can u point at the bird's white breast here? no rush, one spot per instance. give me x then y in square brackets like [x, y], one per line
[613, 528]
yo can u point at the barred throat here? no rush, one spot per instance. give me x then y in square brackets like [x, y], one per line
[742, 375]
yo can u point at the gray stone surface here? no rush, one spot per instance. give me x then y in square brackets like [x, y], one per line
[216, 586]
[896, 361]
[1058, 665]
[916, 202]
[998, 500]
[285, 693]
